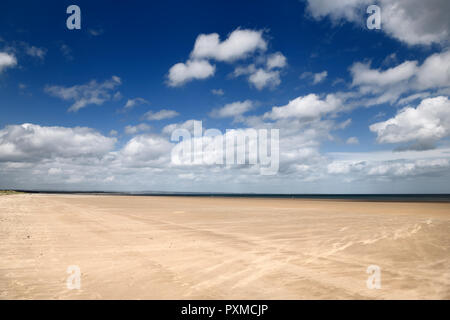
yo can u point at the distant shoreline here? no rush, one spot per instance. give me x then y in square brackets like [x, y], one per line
[335, 197]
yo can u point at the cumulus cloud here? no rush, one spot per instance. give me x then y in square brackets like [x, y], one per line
[413, 97]
[234, 109]
[239, 44]
[262, 78]
[244, 70]
[276, 60]
[36, 52]
[319, 77]
[131, 103]
[144, 163]
[414, 22]
[7, 60]
[390, 84]
[305, 107]
[86, 94]
[352, 140]
[315, 77]
[160, 115]
[388, 170]
[409, 168]
[362, 74]
[435, 71]
[137, 128]
[143, 148]
[21, 48]
[181, 73]
[403, 168]
[424, 125]
[33, 156]
[30, 142]
[188, 125]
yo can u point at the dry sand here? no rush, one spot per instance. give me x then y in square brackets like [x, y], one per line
[221, 248]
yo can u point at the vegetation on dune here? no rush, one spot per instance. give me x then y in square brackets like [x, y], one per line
[6, 192]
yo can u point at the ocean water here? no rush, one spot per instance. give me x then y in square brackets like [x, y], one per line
[348, 197]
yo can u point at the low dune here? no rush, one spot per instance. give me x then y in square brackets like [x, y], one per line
[136, 247]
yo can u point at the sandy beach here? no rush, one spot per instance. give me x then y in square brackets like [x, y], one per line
[130, 247]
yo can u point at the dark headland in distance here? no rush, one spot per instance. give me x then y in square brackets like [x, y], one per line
[443, 197]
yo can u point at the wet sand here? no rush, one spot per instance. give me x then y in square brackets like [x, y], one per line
[221, 248]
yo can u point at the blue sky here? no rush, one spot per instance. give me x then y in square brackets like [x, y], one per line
[369, 109]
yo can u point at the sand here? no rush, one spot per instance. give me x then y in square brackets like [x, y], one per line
[221, 248]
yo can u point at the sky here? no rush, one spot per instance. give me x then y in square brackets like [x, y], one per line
[358, 109]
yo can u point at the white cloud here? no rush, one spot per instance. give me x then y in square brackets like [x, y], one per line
[265, 76]
[352, 140]
[344, 124]
[240, 70]
[306, 75]
[388, 170]
[336, 9]
[36, 52]
[7, 60]
[134, 102]
[408, 77]
[362, 74]
[117, 96]
[385, 166]
[319, 77]
[144, 148]
[411, 98]
[262, 78]
[188, 124]
[305, 107]
[416, 21]
[408, 168]
[413, 22]
[217, 92]
[137, 128]
[435, 71]
[160, 115]
[276, 60]
[181, 73]
[86, 94]
[239, 44]
[70, 158]
[54, 171]
[315, 77]
[189, 176]
[234, 109]
[30, 142]
[66, 51]
[96, 32]
[344, 167]
[424, 125]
